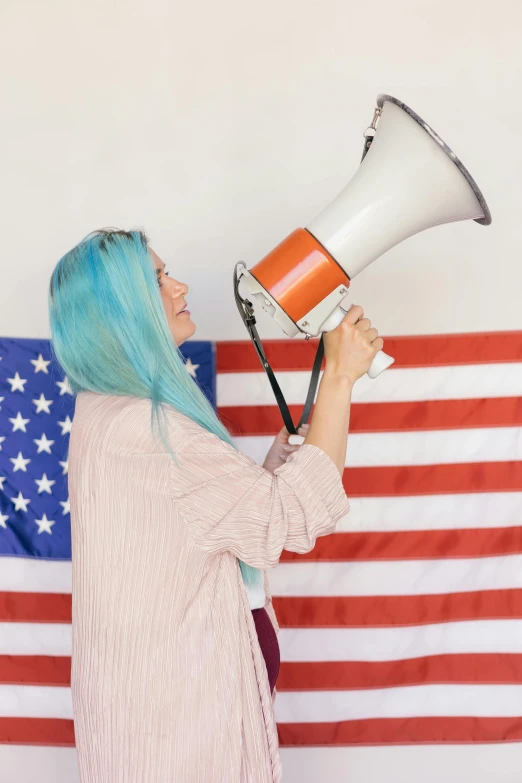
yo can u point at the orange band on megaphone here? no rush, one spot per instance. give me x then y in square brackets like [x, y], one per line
[299, 274]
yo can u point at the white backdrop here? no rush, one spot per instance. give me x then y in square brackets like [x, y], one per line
[221, 127]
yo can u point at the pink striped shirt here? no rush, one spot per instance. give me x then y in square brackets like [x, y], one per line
[168, 681]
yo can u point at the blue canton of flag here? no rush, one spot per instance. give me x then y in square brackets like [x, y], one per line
[36, 414]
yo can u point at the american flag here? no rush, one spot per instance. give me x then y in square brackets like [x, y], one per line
[403, 627]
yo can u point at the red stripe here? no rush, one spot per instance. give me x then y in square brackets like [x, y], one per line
[37, 731]
[396, 610]
[413, 545]
[376, 731]
[35, 670]
[408, 351]
[486, 669]
[35, 607]
[433, 479]
[386, 416]
[400, 731]
[388, 610]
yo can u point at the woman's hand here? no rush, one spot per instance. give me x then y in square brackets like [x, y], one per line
[280, 450]
[350, 348]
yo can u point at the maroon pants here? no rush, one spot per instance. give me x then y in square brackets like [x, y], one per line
[268, 643]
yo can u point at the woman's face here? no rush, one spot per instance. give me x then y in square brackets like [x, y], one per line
[173, 295]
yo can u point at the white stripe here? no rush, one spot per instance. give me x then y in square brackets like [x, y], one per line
[35, 764]
[35, 701]
[434, 512]
[34, 575]
[310, 644]
[485, 701]
[322, 644]
[479, 763]
[307, 578]
[474, 762]
[396, 577]
[407, 385]
[438, 447]
[394, 644]
[35, 639]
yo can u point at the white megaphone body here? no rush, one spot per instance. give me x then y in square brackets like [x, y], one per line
[409, 180]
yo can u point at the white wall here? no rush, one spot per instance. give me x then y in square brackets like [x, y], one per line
[219, 127]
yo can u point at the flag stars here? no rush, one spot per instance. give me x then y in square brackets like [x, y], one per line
[64, 387]
[65, 466]
[66, 425]
[66, 506]
[3, 520]
[1, 441]
[44, 485]
[19, 423]
[2, 479]
[17, 383]
[40, 364]
[43, 444]
[42, 404]
[19, 463]
[44, 525]
[191, 368]
[20, 502]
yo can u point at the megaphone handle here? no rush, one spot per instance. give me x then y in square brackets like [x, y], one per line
[381, 360]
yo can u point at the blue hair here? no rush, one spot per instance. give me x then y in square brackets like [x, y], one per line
[110, 334]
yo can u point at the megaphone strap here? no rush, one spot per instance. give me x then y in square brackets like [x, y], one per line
[246, 312]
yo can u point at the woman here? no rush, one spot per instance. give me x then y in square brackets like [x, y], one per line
[174, 656]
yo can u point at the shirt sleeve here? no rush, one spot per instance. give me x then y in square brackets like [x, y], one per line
[229, 502]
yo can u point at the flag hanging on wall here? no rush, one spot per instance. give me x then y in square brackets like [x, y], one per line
[404, 626]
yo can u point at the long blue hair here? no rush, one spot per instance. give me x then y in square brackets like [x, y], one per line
[110, 334]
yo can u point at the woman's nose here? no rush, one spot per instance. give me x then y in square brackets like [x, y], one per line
[180, 289]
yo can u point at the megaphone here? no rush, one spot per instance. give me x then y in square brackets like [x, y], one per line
[409, 180]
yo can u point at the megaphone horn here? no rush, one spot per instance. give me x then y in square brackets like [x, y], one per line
[409, 180]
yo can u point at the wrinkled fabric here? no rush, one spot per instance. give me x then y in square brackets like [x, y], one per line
[168, 680]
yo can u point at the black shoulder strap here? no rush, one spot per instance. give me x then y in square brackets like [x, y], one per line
[246, 312]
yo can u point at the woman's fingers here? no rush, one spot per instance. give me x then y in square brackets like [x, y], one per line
[364, 324]
[297, 440]
[354, 314]
[291, 446]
